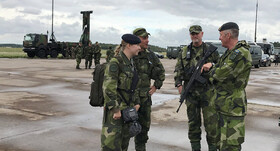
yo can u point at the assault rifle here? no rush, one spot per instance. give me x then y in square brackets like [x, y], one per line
[196, 74]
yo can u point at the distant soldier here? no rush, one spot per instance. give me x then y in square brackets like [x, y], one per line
[109, 54]
[88, 55]
[97, 53]
[79, 55]
[73, 52]
[277, 59]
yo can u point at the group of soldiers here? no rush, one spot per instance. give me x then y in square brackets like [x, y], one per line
[221, 99]
[88, 52]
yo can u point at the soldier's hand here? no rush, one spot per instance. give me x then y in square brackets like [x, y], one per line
[152, 90]
[137, 107]
[180, 89]
[206, 67]
[117, 115]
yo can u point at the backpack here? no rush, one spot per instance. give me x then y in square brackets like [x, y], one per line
[96, 92]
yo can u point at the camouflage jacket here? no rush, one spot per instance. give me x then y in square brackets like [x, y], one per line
[88, 50]
[230, 77]
[97, 49]
[149, 67]
[187, 60]
[117, 79]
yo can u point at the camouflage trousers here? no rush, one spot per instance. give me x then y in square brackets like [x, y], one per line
[97, 57]
[210, 119]
[231, 132]
[78, 58]
[144, 113]
[115, 133]
[88, 61]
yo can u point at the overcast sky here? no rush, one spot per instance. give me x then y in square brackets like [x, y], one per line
[168, 21]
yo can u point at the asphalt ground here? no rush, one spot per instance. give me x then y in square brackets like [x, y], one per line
[44, 106]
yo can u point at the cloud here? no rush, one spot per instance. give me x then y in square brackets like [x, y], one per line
[167, 21]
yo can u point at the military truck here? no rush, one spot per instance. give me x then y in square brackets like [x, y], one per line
[256, 54]
[172, 52]
[37, 45]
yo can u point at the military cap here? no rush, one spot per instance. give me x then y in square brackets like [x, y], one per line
[228, 25]
[140, 32]
[195, 29]
[131, 39]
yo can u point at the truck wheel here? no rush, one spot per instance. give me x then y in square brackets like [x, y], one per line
[257, 65]
[41, 53]
[54, 53]
[31, 54]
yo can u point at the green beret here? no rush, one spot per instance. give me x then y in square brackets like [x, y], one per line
[140, 32]
[195, 29]
[131, 39]
[228, 25]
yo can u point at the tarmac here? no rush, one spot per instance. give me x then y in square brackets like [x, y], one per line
[44, 106]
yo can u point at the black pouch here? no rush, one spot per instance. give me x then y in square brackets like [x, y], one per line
[129, 114]
[135, 128]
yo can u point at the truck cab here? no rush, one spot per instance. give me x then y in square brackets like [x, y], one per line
[35, 44]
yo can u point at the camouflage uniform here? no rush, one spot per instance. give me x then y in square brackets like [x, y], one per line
[149, 67]
[230, 77]
[73, 52]
[187, 60]
[97, 53]
[79, 54]
[88, 56]
[118, 79]
[110, 54]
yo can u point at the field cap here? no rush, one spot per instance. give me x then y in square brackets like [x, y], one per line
[140, 32]
[195, 29]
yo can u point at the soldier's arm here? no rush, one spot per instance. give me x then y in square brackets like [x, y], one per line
[231, 69]
[161, 75]
[178, 71]
[110, 86]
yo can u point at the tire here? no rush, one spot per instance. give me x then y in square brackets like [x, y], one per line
[41, 53]
[31, 54]
[54, 53]
[257, 65]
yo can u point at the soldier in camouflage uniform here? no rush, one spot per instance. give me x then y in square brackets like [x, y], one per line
[117, 81]
[149, 67]
[187, 60]
[230, 77]
[88, 55]
[109, 54]
[97, 53]
[79, 54]
[73, 52]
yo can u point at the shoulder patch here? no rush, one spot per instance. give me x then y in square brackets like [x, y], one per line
[234, 54]
[113, 67]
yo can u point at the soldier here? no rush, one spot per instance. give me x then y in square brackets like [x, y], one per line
[109, 54]
[79, 54]
[73, 52]
[97, 53]
[88, 55]
[118, 77]
[187, 60]
[149, 67]
[230, 77]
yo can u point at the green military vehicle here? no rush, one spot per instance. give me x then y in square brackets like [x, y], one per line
[255, 50]
[256, 54]
[37, 45]
[172, 52]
